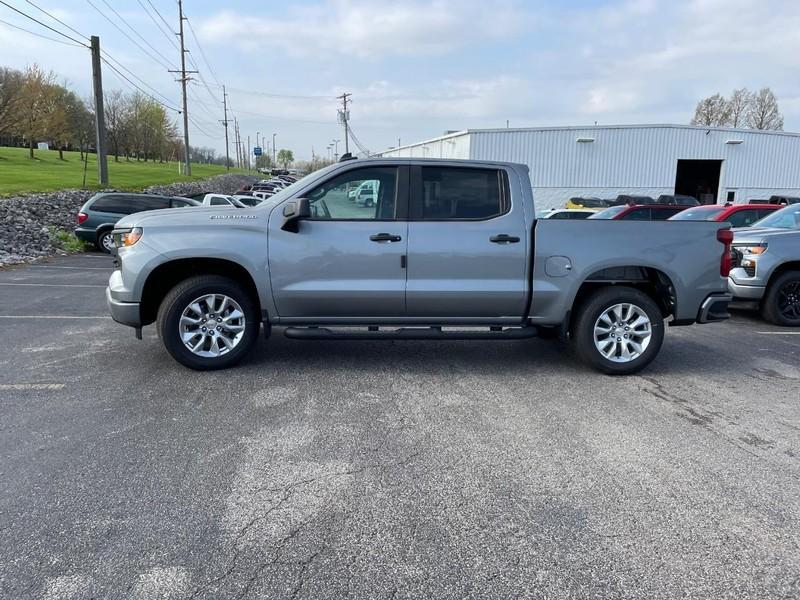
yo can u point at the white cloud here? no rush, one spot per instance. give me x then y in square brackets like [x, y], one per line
[370, 29]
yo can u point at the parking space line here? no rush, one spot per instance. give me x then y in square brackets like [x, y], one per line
[779, 332]
[52, 317]
[74, 268]
[76, 285]
[32, 386]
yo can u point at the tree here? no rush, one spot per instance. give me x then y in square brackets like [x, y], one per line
[11, 82]
[738, 105]
[34, 104]
[285, 157]
[116, 111]
[763, 111]
[712, 112]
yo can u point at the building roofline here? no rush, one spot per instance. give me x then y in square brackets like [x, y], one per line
[463, 132]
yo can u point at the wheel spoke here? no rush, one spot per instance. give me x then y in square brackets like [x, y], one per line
[225, 331]
[622, 332]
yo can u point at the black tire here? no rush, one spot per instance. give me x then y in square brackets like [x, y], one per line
[781, 304]
[102, 239]
[588, 313]
[179, 297]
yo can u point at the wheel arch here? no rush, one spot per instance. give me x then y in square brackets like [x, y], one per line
[167, 275]
[793, 265]
[650, 280]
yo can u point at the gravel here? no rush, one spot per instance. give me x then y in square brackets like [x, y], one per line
[27, 220]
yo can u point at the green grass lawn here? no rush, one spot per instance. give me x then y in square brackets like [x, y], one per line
[46, 172]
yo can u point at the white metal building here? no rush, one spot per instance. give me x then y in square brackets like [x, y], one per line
[710, 163]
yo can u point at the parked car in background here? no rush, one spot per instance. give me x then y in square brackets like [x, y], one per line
[738, 215]
[648, 212]
[222, 200]
[100, 213]
[677, 199]
[627, 199]
[568, 213]
[590, 202]
[784, 200]
[765, 266]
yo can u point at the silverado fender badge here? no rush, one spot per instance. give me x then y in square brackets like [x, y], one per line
[233, 217]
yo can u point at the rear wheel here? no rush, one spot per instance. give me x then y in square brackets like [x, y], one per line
[208, 322]
[105, 242]
[781, 304]
[618, 330]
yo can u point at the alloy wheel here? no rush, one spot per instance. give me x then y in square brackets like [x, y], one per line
[622, 332]
[212, 325]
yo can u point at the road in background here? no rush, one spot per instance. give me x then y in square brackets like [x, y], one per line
[387, 469]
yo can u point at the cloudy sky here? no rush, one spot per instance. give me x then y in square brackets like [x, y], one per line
[418, 68]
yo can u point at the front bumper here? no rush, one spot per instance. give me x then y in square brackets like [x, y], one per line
[127, 313]
[745, 292]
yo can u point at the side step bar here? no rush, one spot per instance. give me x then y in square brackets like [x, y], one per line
[409, 333]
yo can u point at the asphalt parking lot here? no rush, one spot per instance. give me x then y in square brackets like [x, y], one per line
[388, 469]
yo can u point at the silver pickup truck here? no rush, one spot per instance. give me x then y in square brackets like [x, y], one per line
[448, 250]
[765, 273]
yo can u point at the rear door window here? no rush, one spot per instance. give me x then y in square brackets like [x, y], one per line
[149, 202]
[456, 193]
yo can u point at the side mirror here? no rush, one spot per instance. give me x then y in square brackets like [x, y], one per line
[294, 212]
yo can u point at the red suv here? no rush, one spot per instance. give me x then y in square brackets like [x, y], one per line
[738, 215]
[639, 212]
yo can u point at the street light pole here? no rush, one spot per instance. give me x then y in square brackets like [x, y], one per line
[336, 151]
[274, 158]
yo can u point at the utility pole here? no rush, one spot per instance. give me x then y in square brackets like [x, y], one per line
[274, 157]
[99, 114]
[344, 116]
[248, 153]
[187, 168]
[236, 142]
[225, 124]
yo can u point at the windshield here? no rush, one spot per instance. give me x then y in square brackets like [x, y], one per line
[608, 213]
[785, 218]
[698, 214]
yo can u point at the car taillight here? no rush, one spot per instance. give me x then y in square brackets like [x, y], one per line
[82, 217]
[726, 237]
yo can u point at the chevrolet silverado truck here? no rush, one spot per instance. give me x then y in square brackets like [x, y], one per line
[765, 273]
[449, 250]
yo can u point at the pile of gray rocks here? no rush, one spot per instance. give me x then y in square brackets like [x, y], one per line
[26, 221]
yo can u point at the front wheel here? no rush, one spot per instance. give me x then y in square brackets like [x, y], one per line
[618, 330]
[105, 242]
[781, 304]
[208, 322]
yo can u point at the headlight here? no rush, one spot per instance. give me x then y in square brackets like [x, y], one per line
[755, 249]
[124, 238]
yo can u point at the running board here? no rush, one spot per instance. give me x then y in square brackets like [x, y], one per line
[409, 333]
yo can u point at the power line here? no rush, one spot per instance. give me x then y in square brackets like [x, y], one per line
[135, 76]
[169, 34]
[202, 53]
[169, 28]
[27, 16]
[123, 76]
[276, 118]
[40, 9]
[123, 32]
[44, 37]
[128, 25]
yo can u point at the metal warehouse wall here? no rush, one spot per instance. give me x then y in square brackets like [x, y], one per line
[628, 159]
[450, 146]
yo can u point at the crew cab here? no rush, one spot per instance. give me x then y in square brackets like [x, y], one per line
[449, 250]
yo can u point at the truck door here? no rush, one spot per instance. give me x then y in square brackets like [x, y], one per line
[347, 261]
[467, 246]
